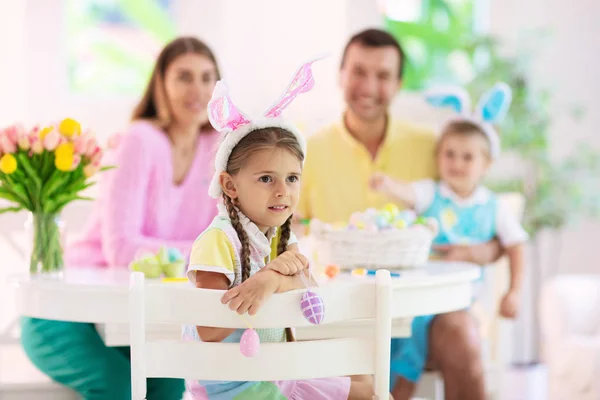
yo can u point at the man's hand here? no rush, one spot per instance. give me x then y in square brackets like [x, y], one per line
[253, 293]
[289, 263]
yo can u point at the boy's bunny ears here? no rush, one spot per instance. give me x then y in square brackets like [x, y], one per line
[492, 108]
[226, 118]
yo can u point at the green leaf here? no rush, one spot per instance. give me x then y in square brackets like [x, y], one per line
[25, 162]
[10, 209]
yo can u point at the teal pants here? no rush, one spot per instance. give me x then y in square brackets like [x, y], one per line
[74, 355]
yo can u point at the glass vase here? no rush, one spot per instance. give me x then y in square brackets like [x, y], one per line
[46, 235]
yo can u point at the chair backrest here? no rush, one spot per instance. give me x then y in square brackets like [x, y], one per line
[178, 304]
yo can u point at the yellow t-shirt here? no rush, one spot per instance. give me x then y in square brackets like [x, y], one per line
[335, 180]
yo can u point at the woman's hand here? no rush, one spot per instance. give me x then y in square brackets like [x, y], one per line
[253, 293]
[289, 263]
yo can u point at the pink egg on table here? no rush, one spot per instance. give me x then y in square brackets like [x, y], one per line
[249, 343]
[313, 307]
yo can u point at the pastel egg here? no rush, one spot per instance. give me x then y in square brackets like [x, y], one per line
[392, 209]
[340, 226]
[332, 271]
[421, 221]
[408, 215]
[249, 343]
[381, 221]
[355, 218]
[313, 307]
[400, 224]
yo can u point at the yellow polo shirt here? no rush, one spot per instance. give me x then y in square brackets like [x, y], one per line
[335, 180]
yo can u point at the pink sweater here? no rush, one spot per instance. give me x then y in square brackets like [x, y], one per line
[140, 208]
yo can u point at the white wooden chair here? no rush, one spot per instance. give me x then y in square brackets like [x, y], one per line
[341, 356]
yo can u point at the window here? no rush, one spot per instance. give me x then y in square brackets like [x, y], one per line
[438, 38]
[112, 44]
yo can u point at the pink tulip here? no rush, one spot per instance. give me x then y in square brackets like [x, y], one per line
[90, 170]
[23, 140]
[76, 161]
[92, 146]
[12, 132]
[80, 145]
[6, 144]
[96, 158]
[114, 141]
[35, 131]
[36, 145]
[52, 140]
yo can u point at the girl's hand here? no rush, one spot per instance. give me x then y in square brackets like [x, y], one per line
[253, 293]
[289, 263]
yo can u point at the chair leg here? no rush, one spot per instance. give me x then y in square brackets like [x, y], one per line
[439, 387]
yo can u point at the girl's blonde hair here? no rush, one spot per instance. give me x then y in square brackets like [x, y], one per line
[255, 141]
[463, 128]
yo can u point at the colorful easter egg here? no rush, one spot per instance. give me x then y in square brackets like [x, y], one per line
[313, 307]
[249, 343]
[355, 218]
[392, 209]
[382, 221]
[407, 215]
[400, 224]
[421, 221]
[332, 271]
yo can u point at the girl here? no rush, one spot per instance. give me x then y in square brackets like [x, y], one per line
[258, 170]
[164, 165]
[467, 212]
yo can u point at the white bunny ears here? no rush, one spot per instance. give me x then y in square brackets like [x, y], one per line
[235, 125]
[491, 108]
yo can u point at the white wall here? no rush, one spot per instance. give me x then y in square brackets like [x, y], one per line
[13, 99]
[259, 45]
[569, 65]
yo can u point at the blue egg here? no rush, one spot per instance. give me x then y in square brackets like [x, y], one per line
[381, 221]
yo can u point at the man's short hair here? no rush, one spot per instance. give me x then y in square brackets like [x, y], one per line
[376, 38]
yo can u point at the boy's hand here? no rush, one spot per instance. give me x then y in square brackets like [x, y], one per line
[509, 306]
[289, 263]
[253, 293]
[379, 182]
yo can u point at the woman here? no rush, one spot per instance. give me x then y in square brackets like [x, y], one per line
[156, 197]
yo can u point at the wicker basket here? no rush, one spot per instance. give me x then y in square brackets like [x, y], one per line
[393, 248]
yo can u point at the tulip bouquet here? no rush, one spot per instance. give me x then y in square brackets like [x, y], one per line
[42, 170]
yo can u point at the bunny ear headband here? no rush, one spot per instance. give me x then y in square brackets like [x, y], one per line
[226, 118]
[492, 108]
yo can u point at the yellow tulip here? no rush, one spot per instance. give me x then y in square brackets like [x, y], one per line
[65, 149]
[8, 164]
[69, 127]
[64, 163]
[64, 156]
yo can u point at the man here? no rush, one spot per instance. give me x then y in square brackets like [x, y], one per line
[342, 158]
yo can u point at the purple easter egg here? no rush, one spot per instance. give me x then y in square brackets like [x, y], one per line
[313, 307]
[249, 343]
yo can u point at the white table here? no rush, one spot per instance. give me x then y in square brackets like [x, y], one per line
[100, 296]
